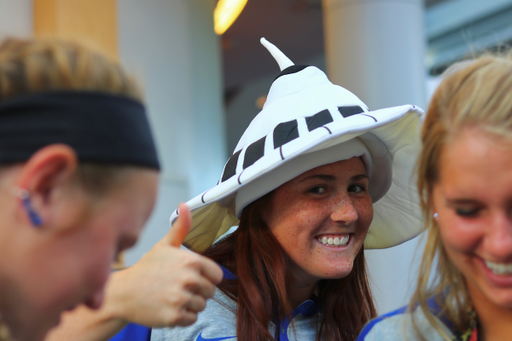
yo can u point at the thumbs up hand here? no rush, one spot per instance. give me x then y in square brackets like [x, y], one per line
[168, 286]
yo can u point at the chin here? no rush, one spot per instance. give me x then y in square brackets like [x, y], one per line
[501, 299]
[337, 274]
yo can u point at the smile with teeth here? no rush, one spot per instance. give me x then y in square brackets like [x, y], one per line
[499, 268]
[336, 241]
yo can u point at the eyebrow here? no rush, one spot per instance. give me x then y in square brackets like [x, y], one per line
[328, 177]
[461, 202]
[360, 177]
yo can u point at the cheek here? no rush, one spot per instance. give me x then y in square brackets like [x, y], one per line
[288, 215]
[457, 237]
[365, 213]
[99, 263]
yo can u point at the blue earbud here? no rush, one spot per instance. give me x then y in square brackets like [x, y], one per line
[35, 219]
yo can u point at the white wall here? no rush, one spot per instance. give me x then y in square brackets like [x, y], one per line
[15, 18]
[172, 46]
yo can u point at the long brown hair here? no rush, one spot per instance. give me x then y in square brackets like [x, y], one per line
[473, 94]
[256, 258]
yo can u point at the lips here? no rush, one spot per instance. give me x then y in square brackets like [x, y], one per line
[499, 274]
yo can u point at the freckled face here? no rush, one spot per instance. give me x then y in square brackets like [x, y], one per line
[473, 198]
[321, 219]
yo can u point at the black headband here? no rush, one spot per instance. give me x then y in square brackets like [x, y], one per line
[100, 127]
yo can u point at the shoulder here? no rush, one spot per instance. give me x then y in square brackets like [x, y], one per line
[217, 321]
[397, 325]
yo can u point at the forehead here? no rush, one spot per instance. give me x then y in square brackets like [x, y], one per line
[475, 159]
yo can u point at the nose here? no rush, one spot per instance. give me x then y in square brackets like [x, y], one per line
[499, 237]
[343, 210]
[95, 300]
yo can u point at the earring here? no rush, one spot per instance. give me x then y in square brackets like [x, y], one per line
[34, 217]
[435, 216]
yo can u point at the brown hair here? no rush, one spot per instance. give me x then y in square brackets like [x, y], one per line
[254, 255]
[38, 65]
[473, 94]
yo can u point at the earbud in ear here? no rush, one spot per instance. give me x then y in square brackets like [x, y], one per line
[34, 217]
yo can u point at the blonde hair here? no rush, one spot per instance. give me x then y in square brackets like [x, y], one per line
[473, 94]
[38, 65]
[31, 65]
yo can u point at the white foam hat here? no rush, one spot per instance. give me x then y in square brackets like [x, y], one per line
[307, 122]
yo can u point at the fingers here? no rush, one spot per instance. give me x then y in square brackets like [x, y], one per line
[186, 319]
[180, 228]
[211, 270]
[201, 286]
[196, 304]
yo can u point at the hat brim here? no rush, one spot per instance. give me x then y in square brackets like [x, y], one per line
[389, 134]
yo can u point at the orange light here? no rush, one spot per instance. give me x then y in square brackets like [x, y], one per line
[226, 13]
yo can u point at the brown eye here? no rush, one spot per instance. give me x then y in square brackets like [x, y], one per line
[317, 190]
[356, 188]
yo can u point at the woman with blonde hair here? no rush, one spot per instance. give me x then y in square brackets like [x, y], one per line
[78, 179]
[464, 289]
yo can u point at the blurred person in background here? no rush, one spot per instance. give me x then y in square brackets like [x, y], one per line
[464, 290]
[78, 180]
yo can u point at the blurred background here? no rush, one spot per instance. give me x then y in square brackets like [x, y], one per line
[202, 88]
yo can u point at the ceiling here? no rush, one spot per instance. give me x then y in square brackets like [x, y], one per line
[295, 26]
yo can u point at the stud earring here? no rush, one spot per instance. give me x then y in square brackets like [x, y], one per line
[435, 216]
[34, 217]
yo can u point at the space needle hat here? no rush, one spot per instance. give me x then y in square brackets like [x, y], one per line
[307, 122]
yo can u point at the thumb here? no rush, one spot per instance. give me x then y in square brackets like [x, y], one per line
[180, 228]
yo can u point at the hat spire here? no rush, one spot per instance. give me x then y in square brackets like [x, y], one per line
[279, 56]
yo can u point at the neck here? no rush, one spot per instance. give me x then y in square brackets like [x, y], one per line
[300, 289]
[494, 321]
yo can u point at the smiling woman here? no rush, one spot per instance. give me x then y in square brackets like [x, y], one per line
[302, 185]
[465, 180]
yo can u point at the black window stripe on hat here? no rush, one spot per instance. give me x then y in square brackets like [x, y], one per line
[349, 111]
[285, 132]
[319, 119]
[254, 152]
[230, 168]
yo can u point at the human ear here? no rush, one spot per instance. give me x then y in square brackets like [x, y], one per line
[46, 173]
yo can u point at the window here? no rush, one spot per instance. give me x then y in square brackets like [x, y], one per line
[230, 168]
[349, 111]
[318, 120]
[254, 152]
[285, 132]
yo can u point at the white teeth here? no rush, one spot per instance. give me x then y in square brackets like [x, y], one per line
[499, 268]
[341, 241]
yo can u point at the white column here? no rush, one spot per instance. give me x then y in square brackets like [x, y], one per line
[15, 18]
[172, 47]
[375, 48]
